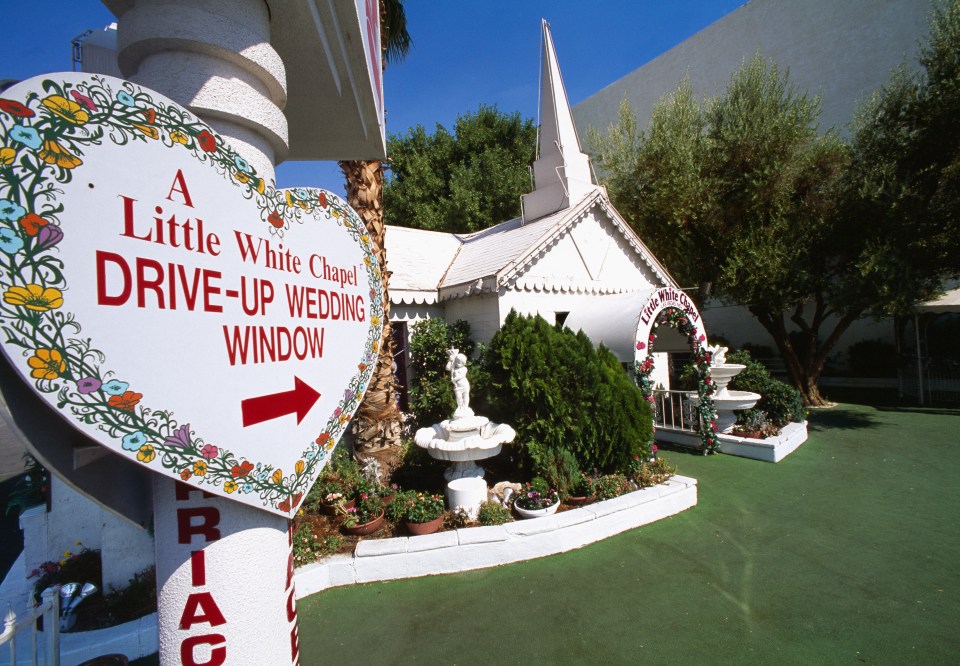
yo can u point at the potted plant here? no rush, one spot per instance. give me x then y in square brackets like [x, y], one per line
[332, 497]
[751, 424]
[582, 490]
[536, 499]
[365, 517]
[421, 513]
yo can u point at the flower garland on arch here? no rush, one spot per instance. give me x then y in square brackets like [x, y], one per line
[706, 387]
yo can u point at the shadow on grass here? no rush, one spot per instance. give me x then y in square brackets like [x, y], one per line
[839, 418]
[678, 448]
[940, 411]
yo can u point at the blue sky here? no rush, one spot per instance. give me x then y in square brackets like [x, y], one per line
[464, 54]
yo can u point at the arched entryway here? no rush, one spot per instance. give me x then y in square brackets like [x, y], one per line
[624, 322]
[671, 307]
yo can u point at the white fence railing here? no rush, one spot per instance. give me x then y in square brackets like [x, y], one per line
[15, 630]
[673, 410]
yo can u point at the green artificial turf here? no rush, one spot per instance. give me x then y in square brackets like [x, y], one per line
[847, 551]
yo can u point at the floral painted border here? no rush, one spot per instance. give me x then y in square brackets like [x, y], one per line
[706, 387]
[43, 139]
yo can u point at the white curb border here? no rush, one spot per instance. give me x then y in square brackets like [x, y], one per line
[443, 552]
[771, 449]
[481, 547]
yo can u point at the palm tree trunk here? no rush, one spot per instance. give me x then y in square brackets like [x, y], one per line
[378, 421]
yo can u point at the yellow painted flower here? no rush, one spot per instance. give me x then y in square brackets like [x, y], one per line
[7, 156]
[230, 486]
[300, 466]
[199, 468]
[375, 346]
[343, 419]
[374, 321]
[146, 453]
[179, 137]
[34, 297]
[277, 476]
[360, 397]
[149, 131]
[241, 177]
[53, 153]
[366, 259]
[46, 364]
[260, 186]
[66, 109]
[365, 238]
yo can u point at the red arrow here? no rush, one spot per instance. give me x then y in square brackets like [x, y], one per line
[298, 401]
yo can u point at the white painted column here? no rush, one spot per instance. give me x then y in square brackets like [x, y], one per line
[213, 57]
[224, 570]
[224, 580]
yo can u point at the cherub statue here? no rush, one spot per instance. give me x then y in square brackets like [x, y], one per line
[718, 354]
[457, 365]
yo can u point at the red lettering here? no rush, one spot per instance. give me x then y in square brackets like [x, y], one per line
[198, 568]
[294, 645]
[207, 528]
[291, 607]
[179, 180]
[200, 608]
[102, 297]
[218, 653]
[143, 283]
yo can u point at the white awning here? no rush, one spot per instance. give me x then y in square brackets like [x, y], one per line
[611, 320]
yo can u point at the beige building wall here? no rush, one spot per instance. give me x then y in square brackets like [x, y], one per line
[840, 49]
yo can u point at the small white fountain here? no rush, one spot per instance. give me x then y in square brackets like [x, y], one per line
[724, 400]
[463, 440]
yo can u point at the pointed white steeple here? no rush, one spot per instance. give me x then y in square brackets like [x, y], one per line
[562, 170]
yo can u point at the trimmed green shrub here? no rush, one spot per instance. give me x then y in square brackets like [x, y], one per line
[557, 465]
[781, 402]
[431, 393]
[558, 391]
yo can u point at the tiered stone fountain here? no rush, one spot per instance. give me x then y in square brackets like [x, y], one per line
[726, 401]
[463, 440]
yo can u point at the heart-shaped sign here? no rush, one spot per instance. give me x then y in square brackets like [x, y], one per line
[169, 303]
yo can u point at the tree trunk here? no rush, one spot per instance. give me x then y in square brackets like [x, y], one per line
[378, 421]
[804, 372]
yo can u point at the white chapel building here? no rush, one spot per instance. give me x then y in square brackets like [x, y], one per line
[570, 257]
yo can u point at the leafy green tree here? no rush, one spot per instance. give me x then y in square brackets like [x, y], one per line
[738, 196]
[903, 189]
[464, 181]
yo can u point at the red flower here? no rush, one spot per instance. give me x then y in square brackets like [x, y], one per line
[322, 199]
[641, 345]
[362, 367]
[275, 219]
[322, 439]
[151, 116]
[207, 141]
[16, 109]
[127, 401]
[83, 100]
[296, 498]
[284, 505]
[241, 470]
[31, 223]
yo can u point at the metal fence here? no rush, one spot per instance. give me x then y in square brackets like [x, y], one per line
[26, 629]
[935, 381]
[673, 410]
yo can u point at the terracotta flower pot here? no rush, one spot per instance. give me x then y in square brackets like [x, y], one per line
[331, 509]
[580, 501]
[365, 528]
[428, 527]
